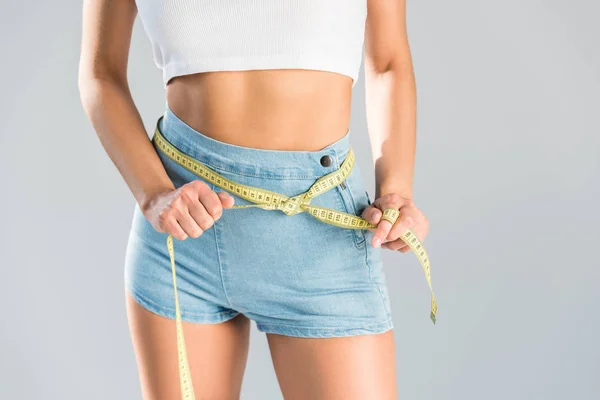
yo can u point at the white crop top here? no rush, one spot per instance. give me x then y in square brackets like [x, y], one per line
[191, 36]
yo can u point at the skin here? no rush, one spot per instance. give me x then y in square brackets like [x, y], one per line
[249, 108]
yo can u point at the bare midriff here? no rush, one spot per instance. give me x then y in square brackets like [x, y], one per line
[284, 109]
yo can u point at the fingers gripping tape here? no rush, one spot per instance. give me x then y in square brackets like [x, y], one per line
[391, 215]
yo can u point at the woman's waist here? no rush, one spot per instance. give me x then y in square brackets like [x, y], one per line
[250, 161]
[265, 109]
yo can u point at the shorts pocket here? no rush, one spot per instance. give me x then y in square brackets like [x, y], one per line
[354, 199]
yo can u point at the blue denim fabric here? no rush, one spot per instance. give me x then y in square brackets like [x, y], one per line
[292, 275]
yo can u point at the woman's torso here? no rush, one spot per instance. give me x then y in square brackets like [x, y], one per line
[285, 110]
[273, 74]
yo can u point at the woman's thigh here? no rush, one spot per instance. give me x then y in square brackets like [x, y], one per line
[217, 354]
[349, 368]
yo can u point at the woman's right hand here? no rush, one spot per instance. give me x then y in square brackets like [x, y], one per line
[188, 210]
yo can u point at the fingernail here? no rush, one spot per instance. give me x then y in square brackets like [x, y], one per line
[376, 242]
[374, 214]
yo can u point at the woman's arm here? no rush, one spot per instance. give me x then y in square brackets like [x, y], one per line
[391, 118]
[390, 97]
[105, 95]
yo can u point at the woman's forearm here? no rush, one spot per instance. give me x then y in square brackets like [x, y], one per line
[391, 119]
[117, 123]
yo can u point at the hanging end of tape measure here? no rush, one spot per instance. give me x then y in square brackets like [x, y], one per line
[433, 308]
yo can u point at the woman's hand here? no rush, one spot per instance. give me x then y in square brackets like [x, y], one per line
[188, 210]
[387, 235]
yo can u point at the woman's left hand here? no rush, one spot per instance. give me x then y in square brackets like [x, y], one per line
[387, 235]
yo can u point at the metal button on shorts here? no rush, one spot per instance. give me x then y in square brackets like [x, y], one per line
[326, 161]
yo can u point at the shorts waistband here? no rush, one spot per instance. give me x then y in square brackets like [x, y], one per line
[277, 164]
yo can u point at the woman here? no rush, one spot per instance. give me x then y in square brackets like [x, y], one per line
[260, 92]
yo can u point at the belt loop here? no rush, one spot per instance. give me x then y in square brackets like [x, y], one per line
[338, 164]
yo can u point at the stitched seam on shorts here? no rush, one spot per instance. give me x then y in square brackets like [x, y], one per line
[264, 175]
[235, 171]
[375, 283]
[219, 260]
[357, 236]
[343, 207]
[318, 333]
[138, 293]
[385, 321]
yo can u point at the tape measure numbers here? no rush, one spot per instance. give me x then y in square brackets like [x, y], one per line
[268, 200]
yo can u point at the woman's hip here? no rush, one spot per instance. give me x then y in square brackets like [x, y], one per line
[254, 257]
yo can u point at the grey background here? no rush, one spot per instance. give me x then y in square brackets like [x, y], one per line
[507, 171]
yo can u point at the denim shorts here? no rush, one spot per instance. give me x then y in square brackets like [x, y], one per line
[293, 275]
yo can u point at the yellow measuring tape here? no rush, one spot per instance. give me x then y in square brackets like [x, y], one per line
[268, 200]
